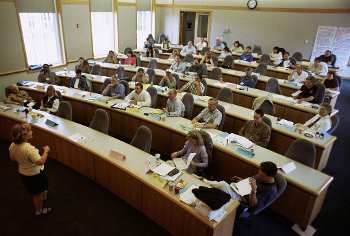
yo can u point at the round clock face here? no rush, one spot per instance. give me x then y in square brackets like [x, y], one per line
[252, 4]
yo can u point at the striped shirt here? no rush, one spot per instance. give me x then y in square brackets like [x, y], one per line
[258, 133]
[191, 87]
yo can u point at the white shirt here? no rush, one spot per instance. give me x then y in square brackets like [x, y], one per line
[322, 125]
[299, 78]
[26, 155]
[55, 105]
[201, 45]
[321, 69]
[188, 50]
[143, 99]
[223, 54]
[276, 58]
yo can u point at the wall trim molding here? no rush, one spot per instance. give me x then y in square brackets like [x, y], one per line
[268, 9]
[74, 1]
[13, 72]
[127, 4]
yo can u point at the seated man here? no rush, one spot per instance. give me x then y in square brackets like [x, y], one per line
[141, 76]
[257, 130]
[247, 54]
[194, 144]
[218, 45]
[298, 75]
[331, 82]
[198, 68]
[319, 68]
[139, 96]
[287, 61]
[174, 105]
[210, 117]
[50, 101]
[168, 80]
[79, 81]
[247, 80]
[328, 58]
[188, 49]
[178, 65]
[47, 76]
[225, 52]
[264, 188]
[17, 97]
[201, 44]
[323, 123]
[308, 91]
[115, 89]
[111, 58]
[195, 87]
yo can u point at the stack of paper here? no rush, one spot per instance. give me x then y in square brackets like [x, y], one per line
[163, 169]
[285, 122]
[188, 197]
[122, 105]
[296, 93]
[76, 137]
[240, 140]
[242, 187]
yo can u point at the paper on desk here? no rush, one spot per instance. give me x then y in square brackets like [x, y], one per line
[188, 197]
[190, 158]
[256, 74]
[158, 180]
[83, 93]
[240, 140]
[217, 215]
[76, 137]
[296, 93]
[203, 98]
[287, 168]
[312, 120]
[163, 169]
[122, 105]
[285, 122]
[179, 163]
[285, 64]
[278, 96]
[242, 187]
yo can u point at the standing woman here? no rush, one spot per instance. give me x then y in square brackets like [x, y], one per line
[31, 165]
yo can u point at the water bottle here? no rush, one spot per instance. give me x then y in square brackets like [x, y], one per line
[65, 71]
[157, 155]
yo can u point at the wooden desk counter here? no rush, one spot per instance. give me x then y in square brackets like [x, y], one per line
[125, 178]
[307, 187]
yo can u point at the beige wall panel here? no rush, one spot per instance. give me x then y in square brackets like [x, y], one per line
[11, 48]
[126, 27]
[77, 40]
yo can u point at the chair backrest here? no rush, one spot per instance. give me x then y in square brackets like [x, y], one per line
[126, 86]
[228, 62]
[216, 74]
[205, 49]
[188, 58]
[100, 121]
[335, 122]
[241, 44]
[257, 49]
[156, 52]
[261, 69]
[120, 72]
[64, 110]
[215, 60]
[340, 81]
[224, 43]
[138, 61]
[256, 80]
[268, 107]
[142, 139]
[7, 91]
[154, 96]
[335, 59]
[59, 95]
[204, 82]
[151, 74]
[267, 121]
[302, 151]
[105, 84]
[127, 49]
[319, 97]
[222, 110]
[265, 58]
[273, 86]
[152, 64]
[96, 69]
[188, 101]
[177, 78]
[161, 38]
[298, 56]
[225, 95]
[209, 146]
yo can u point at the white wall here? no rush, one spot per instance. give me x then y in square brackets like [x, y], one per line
[77, 40]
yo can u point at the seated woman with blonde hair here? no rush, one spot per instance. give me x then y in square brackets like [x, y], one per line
[194, 144]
